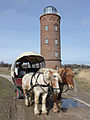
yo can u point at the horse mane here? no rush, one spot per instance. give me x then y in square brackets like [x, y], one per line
[56, 74]
[47, 69]
[67, 71]
[50, 72]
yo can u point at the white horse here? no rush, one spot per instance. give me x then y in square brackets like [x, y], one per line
[40, 83]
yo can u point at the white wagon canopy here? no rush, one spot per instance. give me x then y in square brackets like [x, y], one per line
[31, 57]
[29, 60]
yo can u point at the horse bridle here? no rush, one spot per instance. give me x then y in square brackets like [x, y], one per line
[63, 84]
[53, 89]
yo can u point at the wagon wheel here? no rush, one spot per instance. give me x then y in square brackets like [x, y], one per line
[19, 93]
[15, 88]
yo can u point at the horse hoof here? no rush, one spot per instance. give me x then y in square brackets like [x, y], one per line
[55, 110]
[60, 106]
[37, 113]
[27, 105]
[44, 112]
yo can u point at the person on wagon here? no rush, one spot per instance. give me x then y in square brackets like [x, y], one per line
[17, 69]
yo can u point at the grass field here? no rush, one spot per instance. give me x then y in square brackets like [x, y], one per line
[4, 70]
[7, 98]
[83, 79]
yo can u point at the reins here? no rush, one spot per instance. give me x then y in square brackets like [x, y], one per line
[65, 89]
[38, 84]
[51, 89]
[51, 82]
[63, 84]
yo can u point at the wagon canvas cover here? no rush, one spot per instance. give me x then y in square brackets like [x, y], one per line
[31, 57]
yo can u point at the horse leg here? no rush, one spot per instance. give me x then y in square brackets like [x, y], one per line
[31, 99]
[36, 96]
[44, 110]
[55, 106]
[59, 98]
[26, 94]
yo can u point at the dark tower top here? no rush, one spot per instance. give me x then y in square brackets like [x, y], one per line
[50, 36]
[50, 9]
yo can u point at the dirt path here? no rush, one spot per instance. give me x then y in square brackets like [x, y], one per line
[72, 109]
[7, 77]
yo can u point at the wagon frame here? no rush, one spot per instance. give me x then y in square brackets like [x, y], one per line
[30, 62]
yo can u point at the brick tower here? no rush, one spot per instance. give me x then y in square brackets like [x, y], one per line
[50, 37]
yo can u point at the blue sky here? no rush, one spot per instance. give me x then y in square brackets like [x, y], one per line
[20, 28]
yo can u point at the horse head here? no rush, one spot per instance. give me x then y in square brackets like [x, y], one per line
[55, 79]
[67, 77]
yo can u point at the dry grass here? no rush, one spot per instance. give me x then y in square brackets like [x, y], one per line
[4, 70]
[83, 79]
[7, 99]
[84, 76]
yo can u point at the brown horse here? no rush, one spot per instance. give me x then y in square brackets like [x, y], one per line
[67, 80]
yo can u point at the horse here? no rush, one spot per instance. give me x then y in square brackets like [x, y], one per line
[40, 82]
[67, 76]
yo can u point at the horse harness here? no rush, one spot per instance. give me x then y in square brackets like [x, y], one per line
[51, 89]
[63, 84]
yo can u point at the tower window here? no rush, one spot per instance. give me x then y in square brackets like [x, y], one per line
[46, 41]
[46, 27]
[56, 54]
[56, 42]
[55, 28]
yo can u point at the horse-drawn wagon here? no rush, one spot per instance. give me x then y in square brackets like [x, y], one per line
[40, 81]
[26, 63]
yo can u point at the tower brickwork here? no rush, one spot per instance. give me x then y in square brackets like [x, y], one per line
[50, 37]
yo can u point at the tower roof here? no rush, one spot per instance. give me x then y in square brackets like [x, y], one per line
[50, 10]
